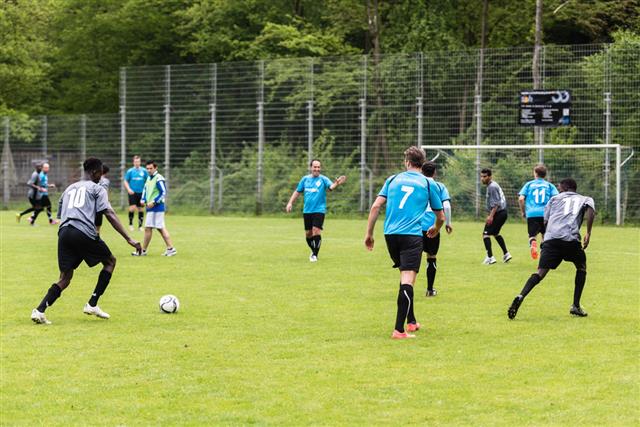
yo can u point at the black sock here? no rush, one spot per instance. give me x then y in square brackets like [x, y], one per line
[130, 218]
[581, 278]
[487, 245]
[140, 219]
[310, 242]
[49, 215]
[36, 212]
[502, 244]
[431, 273]
[404, 303]
[411, 317]
[316, 247]
[26, 211]
[533, 280]
[103, 282]
[52, 295]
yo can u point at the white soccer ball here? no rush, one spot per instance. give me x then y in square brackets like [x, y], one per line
[169, 304]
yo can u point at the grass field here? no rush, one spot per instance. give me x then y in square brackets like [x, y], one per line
[265, 337]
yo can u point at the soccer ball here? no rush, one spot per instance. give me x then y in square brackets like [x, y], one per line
[169, 304]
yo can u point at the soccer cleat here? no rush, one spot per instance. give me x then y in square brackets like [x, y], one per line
[131, 228]
[506, 257]
[412, 327]
[39, 317]
[54, 222]
[401, 335]
[534, 250]
[95, 311]
[135, 253]
[313, 258]
[577, 311]
[432, 293]
[170, 252]
[18, 218]
[140, 229]
[515, 305]
[489, 260]
[30, 220]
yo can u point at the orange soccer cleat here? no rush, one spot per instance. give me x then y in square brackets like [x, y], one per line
[401, 335]
[534, 250]
[412, 327]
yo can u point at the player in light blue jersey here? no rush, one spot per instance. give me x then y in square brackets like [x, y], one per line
[430, 245]
[314, 188]
[134, 181]
[407, 196]
[533, 198]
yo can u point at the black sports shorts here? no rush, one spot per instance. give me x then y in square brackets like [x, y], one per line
[555, 251]
[535, 225]
[74, 247]
[134, 199]
[405, 251]
[45, 202]
[34, 202]
[313, 220]
[498, 221]
[430, 245]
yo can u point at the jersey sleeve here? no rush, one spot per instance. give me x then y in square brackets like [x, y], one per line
[553, 191]
[525, 190]
[300, 187]
[102, 199]
[444, 194]
[435, 202]
[588, 201]
[162, 191]
[547, 209]
[327, 182]
[385, 188]
[127, 175]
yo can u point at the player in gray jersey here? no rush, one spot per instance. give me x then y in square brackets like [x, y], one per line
[78, 239]
[33, 193]
[104, 183]
[497, 208]
[563, 217]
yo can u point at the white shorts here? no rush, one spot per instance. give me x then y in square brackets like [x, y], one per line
[154, 220]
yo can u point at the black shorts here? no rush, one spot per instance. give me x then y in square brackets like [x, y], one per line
[430, 245]
[313, 220]
[498, 221]
[34, 202]
[535, 225]
[555, 251]
[134, 199]
[405, 251]
[74, 247]
[45, 202]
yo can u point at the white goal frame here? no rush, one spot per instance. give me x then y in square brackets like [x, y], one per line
[618, 160]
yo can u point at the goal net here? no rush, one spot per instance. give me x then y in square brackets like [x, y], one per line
[595, 167]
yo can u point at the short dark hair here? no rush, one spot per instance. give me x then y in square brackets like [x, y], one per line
[540, 170]
[569, 184]
[151, 162]
[92, 164]
[314, 160]
[428, 168]
[486, 171]
[415, 156]
[105, 169]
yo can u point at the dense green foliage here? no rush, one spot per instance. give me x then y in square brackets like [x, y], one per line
[63, 55]
[265, 337]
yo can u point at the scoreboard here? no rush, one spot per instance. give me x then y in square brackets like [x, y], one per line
[545, 108]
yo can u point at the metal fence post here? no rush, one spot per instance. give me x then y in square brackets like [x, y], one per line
[43, 136]
[363, 152]
[607, 140]
[260, 139]
[123, 132]
[212, 160]
[83, 141]
[478, 113]
[310, 116]
[5, 166]
[420, 97]
[618, 184]
[419, 116]
[167, 126]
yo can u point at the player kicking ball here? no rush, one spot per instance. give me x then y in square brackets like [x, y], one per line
[563, 217]
[407, 196]
[78, 239]
[532, 199]
[314, 187]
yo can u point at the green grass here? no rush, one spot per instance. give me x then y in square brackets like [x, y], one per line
[265, 337]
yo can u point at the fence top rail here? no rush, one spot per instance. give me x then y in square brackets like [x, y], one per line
[514, 147]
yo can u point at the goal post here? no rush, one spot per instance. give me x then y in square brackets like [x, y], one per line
[597, 173]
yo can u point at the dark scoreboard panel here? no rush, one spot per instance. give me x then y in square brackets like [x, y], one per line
[545, 108]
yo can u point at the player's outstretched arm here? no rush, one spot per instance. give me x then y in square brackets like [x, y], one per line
[292, 200]
[590, 214]
[117, 225]
[371, 221]
[339, 181]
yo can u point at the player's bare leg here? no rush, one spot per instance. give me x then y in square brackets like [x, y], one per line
[171, 251]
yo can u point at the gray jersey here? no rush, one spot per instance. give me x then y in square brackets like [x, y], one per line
[563, 215]
[104, 183]
[34, 180]
[79, 204]
[495, 197]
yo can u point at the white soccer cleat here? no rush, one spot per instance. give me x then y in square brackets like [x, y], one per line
[489, 260]
[131, 228]
[95, 311]
[169, 252]
[135, 253]
[313, 258]
[39, 317]
[507, 257]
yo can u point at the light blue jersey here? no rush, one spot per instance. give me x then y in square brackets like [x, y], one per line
[408, 195]
[429, 217]
[536, 196]
[44, 183]
[136, 177]
[315, 193]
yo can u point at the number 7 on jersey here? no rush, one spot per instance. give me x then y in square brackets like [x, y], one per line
[407, 189]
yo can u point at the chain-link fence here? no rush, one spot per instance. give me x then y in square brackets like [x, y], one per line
[236, 137]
